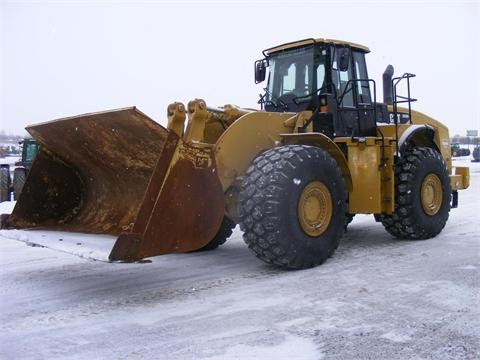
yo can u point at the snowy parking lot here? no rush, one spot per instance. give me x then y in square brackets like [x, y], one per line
[376, 298]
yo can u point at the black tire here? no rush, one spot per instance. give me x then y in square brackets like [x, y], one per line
[422, 195]
[222, 235]
[273, 206]
[19, 176]
[4, 185]
[476, 154]
[348, 219]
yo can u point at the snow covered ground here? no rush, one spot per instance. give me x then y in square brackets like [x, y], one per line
[376, 298]
[10, 160]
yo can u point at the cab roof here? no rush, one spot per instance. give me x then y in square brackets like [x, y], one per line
[305, 42]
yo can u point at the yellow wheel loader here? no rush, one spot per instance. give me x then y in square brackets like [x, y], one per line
[292, 174]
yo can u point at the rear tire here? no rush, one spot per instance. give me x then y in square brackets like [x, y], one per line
[19, 176]
[422, 195]
[292, 206]
[4, 185]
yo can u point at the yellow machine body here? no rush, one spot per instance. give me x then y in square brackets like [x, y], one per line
[164, 190]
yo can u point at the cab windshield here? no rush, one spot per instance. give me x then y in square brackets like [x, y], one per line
[293, 78]
[30, 150]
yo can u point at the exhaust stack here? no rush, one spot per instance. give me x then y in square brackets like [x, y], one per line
[387, 85]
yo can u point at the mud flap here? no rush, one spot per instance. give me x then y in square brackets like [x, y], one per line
[118, 172]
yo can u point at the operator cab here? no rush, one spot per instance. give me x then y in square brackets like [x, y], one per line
[29, 151]
[327, 77]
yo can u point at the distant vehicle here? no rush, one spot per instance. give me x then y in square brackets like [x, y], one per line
[7, 186]
[459, 151]
[476, 154]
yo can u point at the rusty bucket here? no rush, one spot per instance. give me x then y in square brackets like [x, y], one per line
[119, 172]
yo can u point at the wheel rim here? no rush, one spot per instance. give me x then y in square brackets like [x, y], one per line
[431, 194]
[315, 209]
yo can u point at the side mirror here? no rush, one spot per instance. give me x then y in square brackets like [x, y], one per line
[344, 58]
[260, 70]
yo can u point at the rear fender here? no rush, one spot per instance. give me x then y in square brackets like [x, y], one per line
[418, 135]
[431, 127]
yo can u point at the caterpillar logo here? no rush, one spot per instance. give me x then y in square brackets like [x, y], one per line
[401, 118]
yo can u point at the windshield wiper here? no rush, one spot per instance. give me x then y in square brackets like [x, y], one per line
[297, 98]
[278, 101]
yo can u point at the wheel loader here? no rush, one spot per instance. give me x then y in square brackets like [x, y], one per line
[7, 186]
[292, 174]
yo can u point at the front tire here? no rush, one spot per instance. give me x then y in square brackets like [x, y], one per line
[4, 184]
[292, 206]
[422, 195]
[19, 176]
[225, 231]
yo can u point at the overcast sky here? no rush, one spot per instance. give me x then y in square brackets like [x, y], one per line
[63, 58]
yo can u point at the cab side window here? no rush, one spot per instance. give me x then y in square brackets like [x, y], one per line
[340, 79]
[362, 86]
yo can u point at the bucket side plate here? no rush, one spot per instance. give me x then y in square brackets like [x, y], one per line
[183, 206]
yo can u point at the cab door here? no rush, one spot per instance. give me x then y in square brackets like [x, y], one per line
[351, 87]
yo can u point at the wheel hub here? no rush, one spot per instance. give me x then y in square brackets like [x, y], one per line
[315, 209]
[431, 194]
